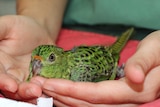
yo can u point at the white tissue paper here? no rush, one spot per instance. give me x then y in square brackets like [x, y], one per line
[41, 102]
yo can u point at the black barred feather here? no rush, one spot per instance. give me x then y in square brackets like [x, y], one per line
[121, 41]
[82, 63]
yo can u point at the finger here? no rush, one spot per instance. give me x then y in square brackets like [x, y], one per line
[101, 92]
[24, 91]
[5, 23]
[9, 84]
[34, 100]
[67, 101]
[117, 91]
[144, 59]
[59, 104]
[63, 101]
[38, 80]
[29, 90]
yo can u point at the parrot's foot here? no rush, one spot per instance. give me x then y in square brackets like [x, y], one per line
[120, 71]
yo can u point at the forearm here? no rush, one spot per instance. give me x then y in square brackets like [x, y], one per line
[48, 13]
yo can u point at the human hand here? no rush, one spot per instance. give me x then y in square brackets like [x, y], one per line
[114, 93]
[19, 35]
[145, 59]
[140, 85]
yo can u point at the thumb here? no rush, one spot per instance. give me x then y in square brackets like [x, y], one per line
[145, 58]
[5, 24]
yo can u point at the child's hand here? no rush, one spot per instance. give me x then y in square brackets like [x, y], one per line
[141, 84]
[68, 93]
[19, 35]
[145, 59]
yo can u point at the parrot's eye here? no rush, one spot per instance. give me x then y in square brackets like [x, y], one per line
[52, 57]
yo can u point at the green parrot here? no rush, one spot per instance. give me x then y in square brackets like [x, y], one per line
[82, 63]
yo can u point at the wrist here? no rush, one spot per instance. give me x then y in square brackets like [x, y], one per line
[39, 19]
[48, 14]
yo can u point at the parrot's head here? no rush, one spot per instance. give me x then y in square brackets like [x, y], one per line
[45, 60]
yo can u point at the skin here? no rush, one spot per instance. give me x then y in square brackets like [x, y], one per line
[31, 28]
[36, 22]
[15, 57]
[128, 91]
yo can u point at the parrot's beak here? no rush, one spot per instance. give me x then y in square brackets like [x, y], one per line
[36, 65]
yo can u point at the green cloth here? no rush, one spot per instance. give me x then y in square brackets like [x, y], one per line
[138, 13]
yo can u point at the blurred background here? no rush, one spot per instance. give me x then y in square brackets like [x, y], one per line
[7, 7]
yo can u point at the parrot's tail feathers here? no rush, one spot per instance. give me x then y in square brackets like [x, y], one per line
[122, 40]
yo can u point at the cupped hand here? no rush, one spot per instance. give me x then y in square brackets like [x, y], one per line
[140, 85]
[107, 93]
[145, 59]
[19, 35]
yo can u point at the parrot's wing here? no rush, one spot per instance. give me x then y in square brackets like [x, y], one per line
[114, 72]
[91, 73]
[81, 73]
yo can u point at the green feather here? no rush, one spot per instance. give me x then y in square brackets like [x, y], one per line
[121, 41]
[83, 63]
